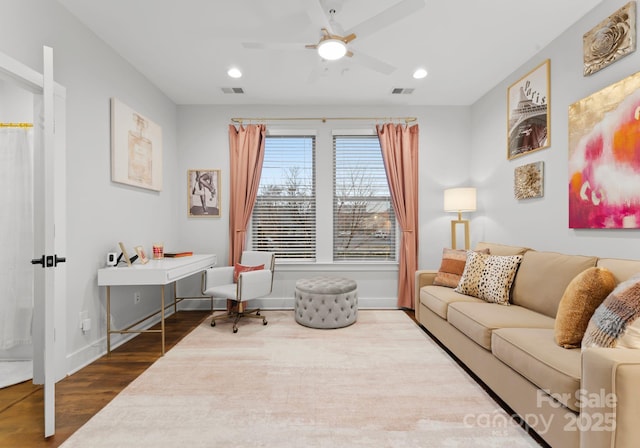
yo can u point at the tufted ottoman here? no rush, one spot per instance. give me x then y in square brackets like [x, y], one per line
[326, 302]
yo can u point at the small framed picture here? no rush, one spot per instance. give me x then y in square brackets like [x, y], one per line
[610, 40]
[529, 181]
[141, 255]
[125, 255]
[203, 193]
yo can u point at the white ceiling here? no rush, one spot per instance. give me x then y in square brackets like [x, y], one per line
[186, 46]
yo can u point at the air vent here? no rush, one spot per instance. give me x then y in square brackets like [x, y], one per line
[401, 91]
[232, 90]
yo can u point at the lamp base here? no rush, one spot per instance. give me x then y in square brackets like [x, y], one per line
[465, 223]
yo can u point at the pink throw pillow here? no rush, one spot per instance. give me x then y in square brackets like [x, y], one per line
[238, 268]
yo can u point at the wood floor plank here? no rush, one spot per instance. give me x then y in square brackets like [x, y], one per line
[83, 394]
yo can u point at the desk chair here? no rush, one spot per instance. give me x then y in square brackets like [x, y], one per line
[251, 284]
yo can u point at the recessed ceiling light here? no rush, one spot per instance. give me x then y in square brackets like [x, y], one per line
[234, 72]
[420, 73]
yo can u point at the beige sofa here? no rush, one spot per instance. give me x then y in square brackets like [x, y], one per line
[565, 395]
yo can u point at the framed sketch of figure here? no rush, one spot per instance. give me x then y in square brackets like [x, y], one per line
[203, 193]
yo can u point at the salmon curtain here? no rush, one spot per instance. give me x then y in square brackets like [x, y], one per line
[246, 154]
[399, 146]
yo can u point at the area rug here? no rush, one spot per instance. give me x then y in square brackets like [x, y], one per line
[381, 382]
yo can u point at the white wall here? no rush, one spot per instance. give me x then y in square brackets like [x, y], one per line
[543, 223]
[16, 104]
[444, 143]
[100, 213]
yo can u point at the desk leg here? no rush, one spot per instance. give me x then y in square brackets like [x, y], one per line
[108, 320]
[162, 316]
[175, 298]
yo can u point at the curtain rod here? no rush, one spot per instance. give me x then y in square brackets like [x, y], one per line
[16, 125]
[325, 119]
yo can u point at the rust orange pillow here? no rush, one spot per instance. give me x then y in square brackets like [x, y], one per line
[238, 268]
[452, 267]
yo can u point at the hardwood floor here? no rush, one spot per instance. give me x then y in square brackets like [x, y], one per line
[83, 394]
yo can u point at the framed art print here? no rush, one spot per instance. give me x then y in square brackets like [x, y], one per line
[528, 120]
[528, 181]
[203, 193]
[136, 148]
[604, 158]
[141, 254]
[610, 40]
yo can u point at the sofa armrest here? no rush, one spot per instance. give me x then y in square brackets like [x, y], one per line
[423, 278]
[610, 408]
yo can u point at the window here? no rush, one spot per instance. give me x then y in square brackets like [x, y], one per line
[284, 215]
[364, 224]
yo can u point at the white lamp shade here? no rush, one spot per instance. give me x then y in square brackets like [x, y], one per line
[460, 199]
[332, 49]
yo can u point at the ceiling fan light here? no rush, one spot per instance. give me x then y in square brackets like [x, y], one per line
[332, 49]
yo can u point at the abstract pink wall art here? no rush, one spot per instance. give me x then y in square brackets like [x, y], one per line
[604, 158]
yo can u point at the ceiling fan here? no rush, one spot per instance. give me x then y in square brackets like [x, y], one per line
[334, 42]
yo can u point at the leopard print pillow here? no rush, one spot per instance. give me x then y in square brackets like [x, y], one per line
[489, 277]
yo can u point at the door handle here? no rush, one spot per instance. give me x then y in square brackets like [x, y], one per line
[49, 261]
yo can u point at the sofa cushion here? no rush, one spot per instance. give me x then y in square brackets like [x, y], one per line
[534, 354]
[501, 249]
[579, 301]
[616, 322]
[489, 277]
[452, 267]
[478, 320]
[622, 269]
[544, 276]
[438, 298]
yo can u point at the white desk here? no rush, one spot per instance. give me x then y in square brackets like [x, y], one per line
[155, 272]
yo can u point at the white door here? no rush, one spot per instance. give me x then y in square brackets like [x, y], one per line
[49, 226]
[51, 258]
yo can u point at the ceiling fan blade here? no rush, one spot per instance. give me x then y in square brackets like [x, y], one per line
[373, 63]
[278, 28]
[318, 15]
[315, 75]
[287, 46]
[399, 11]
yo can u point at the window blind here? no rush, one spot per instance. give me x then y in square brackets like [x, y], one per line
[364, 224]
[284, 215]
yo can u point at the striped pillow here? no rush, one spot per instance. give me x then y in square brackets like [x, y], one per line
[616, 322]
[452, 267]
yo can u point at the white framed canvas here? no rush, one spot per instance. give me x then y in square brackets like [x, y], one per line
[136, 148]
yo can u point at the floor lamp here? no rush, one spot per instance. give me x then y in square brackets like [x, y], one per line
[460, 200]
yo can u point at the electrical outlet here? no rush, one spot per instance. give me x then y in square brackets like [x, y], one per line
[136, 297]
[83, 315]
